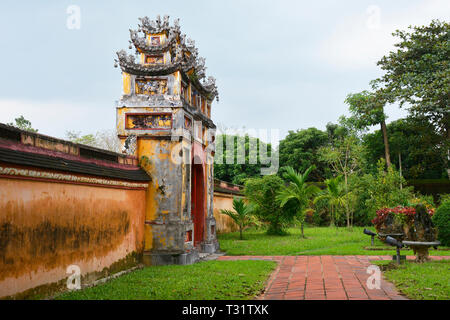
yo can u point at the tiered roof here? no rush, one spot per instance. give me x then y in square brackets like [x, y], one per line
[184, 55]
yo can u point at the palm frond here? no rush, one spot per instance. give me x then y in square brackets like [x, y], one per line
[307, 172]
[293, 176]
[286, 195]
[320, 197]
[312, 190]
[231, 214]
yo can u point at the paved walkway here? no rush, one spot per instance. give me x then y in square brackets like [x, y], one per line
[324, 278]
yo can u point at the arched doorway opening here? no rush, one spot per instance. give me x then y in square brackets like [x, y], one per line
[197, 203]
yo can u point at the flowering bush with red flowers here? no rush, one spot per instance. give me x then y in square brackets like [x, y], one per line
[394, 218]
[414, 223]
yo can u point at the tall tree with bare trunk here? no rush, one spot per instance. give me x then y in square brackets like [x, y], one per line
[417, 76]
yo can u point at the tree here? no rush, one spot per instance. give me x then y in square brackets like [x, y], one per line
[106, 139]
[345, 156]
[76, 137]
[299, 151]
[335, 195]
[417, 75]
[261, 193]
[243, 146]
[22, 124]
[384, 189]
[241, 215]
[415, 142]
[367, 109]
[297, 192]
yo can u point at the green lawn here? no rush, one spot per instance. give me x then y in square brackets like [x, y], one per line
[319, 241]
[218, 280]
[426, 281]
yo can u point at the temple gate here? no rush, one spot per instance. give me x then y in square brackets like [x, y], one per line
[163, 118]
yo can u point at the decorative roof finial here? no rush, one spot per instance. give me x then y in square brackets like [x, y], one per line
[176, 43]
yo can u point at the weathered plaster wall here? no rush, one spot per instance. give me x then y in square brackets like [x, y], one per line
[167, 216]
[47, 226]
[224, 223]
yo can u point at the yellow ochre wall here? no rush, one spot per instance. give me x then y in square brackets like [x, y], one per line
[126, 83]
[49, 226]
[224, 223]
[155, 159]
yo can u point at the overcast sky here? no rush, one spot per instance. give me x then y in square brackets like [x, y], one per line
[283, 65]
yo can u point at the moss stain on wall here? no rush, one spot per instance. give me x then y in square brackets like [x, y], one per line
[49, 226]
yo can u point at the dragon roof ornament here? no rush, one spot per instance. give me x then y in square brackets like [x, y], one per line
[184, 53]
[128, 64]
[210, 85]
[158, 26]
[144, 46]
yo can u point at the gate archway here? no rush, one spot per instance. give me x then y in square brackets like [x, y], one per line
[198, 202]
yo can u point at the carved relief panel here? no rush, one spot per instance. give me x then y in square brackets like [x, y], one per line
[148, 121]
[154, 59]
[155, 40]
[151, 86]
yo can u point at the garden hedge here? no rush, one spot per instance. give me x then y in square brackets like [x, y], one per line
[441, 219]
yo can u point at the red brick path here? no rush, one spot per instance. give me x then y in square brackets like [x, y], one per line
[324, 278]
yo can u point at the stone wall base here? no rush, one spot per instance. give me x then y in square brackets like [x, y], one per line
[211, 247]
[164, 258]
[183, 258]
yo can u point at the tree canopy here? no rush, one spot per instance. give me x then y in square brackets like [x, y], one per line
[22, 124]
[417, 75]
[299, 150]
[245, 147]
[414, 142]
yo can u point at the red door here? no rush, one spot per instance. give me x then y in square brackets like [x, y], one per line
[197, 202]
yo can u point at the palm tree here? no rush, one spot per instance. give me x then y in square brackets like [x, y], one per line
[242, 214]
[335, 195]
[298, 191]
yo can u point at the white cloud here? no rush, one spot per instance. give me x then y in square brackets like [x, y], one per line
[54, 118]
[361, 40]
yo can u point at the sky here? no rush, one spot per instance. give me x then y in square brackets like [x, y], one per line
[283, 65]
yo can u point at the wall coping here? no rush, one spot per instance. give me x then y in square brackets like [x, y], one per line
[55, 144]
[32, 150]
[228, 187]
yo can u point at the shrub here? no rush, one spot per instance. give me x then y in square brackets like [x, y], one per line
[384, 189]
[360, 187]
[426, 200]
[262, 192]
[391, 220]
[442, 221]
[444, 197]
[321, 216]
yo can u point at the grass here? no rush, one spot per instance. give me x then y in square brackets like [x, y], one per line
[319, 241]
[218, 280]
[425, 281]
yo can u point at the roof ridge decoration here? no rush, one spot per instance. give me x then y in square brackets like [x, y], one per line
[184, 56]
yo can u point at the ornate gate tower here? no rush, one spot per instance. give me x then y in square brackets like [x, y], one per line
[163, 118]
